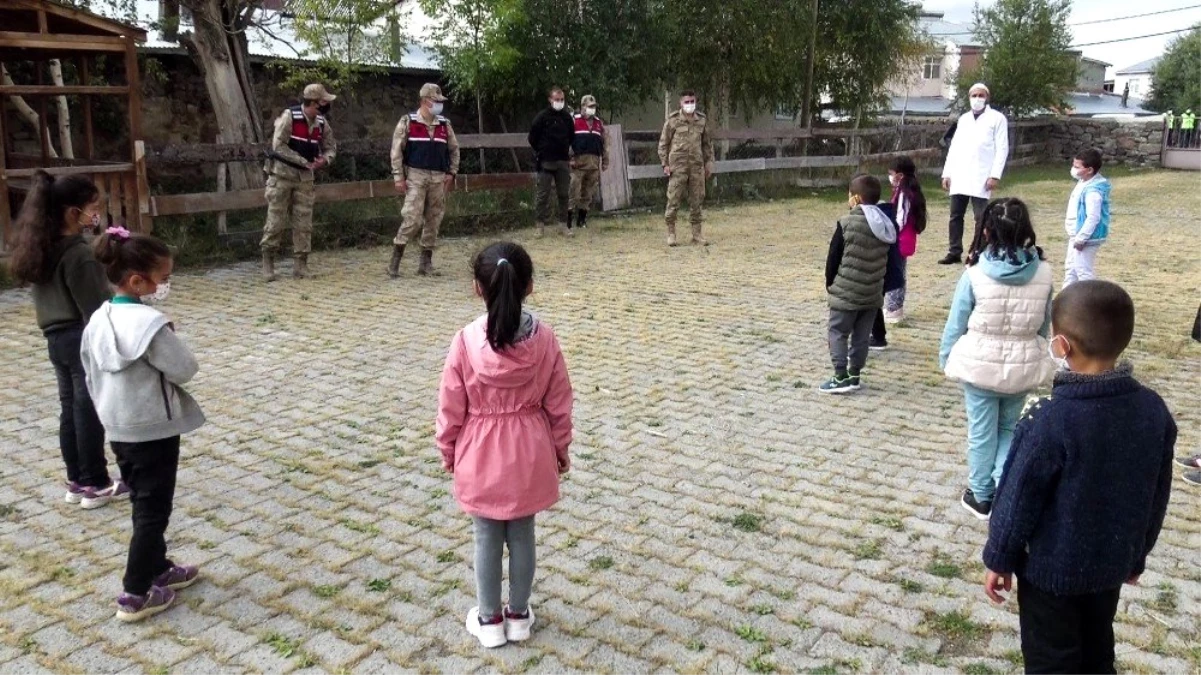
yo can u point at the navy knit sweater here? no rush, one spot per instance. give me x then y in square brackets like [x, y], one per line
[1085, 486]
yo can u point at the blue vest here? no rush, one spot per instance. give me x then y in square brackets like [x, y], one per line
[1102, 186]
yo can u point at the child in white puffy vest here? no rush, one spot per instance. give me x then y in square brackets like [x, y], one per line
[995, 341]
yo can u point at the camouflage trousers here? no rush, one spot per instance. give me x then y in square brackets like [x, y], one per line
[424, 207]
[289, 204]
[685, 181]
[585, 178]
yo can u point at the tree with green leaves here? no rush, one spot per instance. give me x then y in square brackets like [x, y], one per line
[1176, 82]
[1027, 63]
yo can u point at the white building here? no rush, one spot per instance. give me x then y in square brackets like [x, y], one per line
[1137, 76]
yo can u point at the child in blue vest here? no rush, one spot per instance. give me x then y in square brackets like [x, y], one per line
[1084, 491]
[1087, 221]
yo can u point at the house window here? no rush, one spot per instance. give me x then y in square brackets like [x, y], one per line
[932, 68]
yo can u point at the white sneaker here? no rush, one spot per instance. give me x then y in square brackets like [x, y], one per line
[894, 317]
[491, 635]
[518, 630]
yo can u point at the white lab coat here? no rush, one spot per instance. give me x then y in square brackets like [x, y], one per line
[978, 152]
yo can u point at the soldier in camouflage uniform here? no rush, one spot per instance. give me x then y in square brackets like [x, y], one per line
[686, 153]
[302, 143]
[425, 159]
[589, 157]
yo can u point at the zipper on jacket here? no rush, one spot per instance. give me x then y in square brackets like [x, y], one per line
[162, 380]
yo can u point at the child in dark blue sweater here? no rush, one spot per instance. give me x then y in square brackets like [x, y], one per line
[1084, 491]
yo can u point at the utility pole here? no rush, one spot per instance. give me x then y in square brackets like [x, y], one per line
[807, 104]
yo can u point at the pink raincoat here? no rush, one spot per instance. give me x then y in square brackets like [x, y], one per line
[907, 238]
[504, 422]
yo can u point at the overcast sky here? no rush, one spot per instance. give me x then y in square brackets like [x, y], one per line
[1120, 54]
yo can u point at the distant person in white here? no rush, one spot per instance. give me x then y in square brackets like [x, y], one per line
[974, 164]
[1087, 219]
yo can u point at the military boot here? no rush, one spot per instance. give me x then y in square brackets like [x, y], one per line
[398, 251]
[697, 239]
[269, 266]
[581, 220]
[570, 217]
[426, 267]
[300, 269]
[671, 234]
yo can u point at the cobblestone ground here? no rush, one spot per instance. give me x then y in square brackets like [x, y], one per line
[721, 515]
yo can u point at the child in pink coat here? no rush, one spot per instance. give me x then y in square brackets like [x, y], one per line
[504, 426]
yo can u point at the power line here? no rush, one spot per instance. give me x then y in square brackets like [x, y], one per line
[1128, 39]
[1095, 21]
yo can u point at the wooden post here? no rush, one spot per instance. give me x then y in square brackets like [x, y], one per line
[615, 181]
[5, 207]
[85, 79]
[222, 218]
[143, 187]
[43, 123]
[135, 125]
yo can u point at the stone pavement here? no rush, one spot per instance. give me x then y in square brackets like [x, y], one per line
[721, 515]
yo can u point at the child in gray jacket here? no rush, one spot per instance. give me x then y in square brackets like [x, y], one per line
[135, 365]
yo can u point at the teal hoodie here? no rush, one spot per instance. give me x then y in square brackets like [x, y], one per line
[1000, 269]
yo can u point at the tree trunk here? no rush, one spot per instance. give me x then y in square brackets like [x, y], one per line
[26, 112]
[807, 103]
[479, 113]
[64, 113]
[219, 47]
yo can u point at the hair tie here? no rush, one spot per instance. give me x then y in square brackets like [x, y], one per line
[502, 261]
[118, 232]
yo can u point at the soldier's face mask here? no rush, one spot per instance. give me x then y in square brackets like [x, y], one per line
[436, 107]
[590, 111]
[688, 106]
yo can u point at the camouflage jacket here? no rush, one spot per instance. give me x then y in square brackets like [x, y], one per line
[684, 141]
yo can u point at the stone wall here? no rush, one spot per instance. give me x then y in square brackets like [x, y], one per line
[1127, 142]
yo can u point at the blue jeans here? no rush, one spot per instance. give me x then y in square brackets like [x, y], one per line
[991, 418]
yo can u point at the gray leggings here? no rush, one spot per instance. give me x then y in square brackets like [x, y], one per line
[491, 536]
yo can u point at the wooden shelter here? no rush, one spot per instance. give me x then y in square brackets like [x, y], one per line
[34, 33]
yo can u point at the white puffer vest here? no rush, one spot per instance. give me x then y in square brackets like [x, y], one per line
[1002, 350]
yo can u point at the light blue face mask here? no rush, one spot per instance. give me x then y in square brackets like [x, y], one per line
[436, 108]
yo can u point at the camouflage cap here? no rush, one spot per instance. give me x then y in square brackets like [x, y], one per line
[317, 92]
[432, 91]
[588, 100]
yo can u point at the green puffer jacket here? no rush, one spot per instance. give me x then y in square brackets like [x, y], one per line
[858, 284]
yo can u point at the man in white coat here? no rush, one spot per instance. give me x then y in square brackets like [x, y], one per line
[974, 164]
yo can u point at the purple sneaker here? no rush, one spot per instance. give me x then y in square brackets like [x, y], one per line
[94, 498]
[132, 608]
[177, 577]
[74, 492]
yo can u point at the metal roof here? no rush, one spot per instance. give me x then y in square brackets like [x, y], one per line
[1140, 67]
[946, 31]
[1083, 104]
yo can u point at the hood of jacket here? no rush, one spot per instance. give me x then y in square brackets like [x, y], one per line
[880, 223]
[513, 367]
[1004, 270]
[116, 344]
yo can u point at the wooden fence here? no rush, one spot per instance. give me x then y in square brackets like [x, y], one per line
[616, 192]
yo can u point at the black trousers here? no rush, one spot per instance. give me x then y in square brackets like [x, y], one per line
[1067, 633]
[879, 327]
[958, 209]
[80, 434]
[149, 468]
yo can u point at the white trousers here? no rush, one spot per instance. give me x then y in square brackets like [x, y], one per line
[1078, 265]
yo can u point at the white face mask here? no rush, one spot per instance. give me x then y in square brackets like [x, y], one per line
[689, 108]
[1075, 173]
[894, 180]
[978, 103]
[590, 112]
[436, 107]
[159, 295]
[557, 105]
[1060, 361]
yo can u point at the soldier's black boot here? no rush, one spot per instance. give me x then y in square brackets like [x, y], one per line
[426, 267]
[582, 219]
[398, 252]
[570, 217]
[301, 269]
[268, 266]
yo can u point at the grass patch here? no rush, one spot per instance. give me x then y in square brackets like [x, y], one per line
[62, 574]
[327, 591]
[734, 581]
[282, 645]
[602, 562]
[763, 609]
[695, 645]
[910, 586]
[355, 526]
[750, 633]
[206, 545]
[957, 631]
[760, 665]
[869, 550]
[27, 645]
[531, 662]
[379, 585]
[1166, 598]
[1015, 657]
[942, 566]
[980, 668]
[369, 463]
[914, 655]
[447, 556]
[7, 510]
[748, 522]
[891, 523]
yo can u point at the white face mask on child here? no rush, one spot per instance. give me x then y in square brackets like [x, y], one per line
[159, 295]
[1060, 361]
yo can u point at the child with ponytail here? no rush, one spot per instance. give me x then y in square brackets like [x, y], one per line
[67, 285]
[504, 427]
[136, 367]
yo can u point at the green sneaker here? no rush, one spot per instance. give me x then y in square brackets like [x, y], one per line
[839, 384]
[853, 376]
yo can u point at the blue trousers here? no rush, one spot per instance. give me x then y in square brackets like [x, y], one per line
[990, 421]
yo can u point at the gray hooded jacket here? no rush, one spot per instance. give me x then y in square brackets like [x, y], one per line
[135, 365]
[858, 283]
